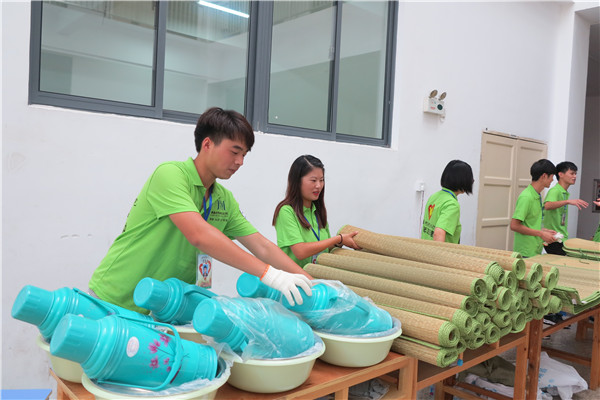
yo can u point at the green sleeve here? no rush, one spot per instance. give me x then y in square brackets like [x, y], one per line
[449, 217]
[168, 191]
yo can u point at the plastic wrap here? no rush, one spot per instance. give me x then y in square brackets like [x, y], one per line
[340, 311]
[270, 330]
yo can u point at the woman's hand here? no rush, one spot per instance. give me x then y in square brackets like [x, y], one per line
[348, 240]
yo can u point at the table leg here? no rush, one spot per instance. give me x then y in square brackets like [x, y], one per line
[342, 394]
[595, 367]
[535, 346]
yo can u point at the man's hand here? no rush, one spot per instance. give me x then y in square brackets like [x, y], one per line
[547, 236]
[578, 203]
[287, 284]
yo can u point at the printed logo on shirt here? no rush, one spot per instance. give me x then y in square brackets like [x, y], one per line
[220, 205]
[430, 210]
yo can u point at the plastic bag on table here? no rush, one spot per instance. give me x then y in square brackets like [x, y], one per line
[559, 379]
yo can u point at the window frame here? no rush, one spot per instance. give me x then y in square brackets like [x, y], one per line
[257, 78]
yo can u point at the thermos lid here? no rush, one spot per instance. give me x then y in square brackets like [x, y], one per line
[32, 305]
[151, 294]
[74, 338]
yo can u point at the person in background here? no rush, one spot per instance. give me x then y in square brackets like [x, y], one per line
[526, 222]
[300, 219]
[182, 213]
[441, 221]
[556, 202]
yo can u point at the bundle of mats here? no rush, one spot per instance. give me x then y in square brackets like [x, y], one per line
[448, 297]
[581, 248]
[579, 286]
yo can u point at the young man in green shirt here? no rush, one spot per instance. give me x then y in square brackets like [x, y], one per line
[182, 212]
[526, 221]
[555, 205]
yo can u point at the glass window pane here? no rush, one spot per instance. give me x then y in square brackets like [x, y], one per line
[362, 69]
[301, 55]
[97, 49]
[206, 55]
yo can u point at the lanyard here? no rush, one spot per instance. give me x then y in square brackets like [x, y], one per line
[541, 206]
[318, 236]
[447, 191]
[206, 212]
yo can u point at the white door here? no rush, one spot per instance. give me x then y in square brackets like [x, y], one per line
[504, 173]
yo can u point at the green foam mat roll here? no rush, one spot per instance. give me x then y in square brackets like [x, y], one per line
[492, 334]
[504, 299]
[502, 319]
[554, 304]
[534, 291]
[518, 321]
[477, 329]
[484, 319]
[488, 307]
[476, 342]
[495, 271]
[550, 278]
[492, 286]
[436, 355]
[510, 281]
[538, 313]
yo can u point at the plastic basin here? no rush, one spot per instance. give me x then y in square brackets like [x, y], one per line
[273, 376]
[188, 332]
[183, 392]
[65, 369]
[357, 351]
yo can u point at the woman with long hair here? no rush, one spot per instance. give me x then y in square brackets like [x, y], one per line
[300, 219]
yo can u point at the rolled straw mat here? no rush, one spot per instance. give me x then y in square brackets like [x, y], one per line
[438, 280]
[466, 303]
[428, 329]
[386, 245]
[458, 317]
[440, 356]
[492, 286]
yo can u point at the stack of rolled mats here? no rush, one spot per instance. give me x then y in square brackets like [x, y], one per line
[581, 248]
[448, 297]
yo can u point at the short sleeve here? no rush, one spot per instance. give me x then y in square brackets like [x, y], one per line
[288, 228]
[449, 217]
[169, 191]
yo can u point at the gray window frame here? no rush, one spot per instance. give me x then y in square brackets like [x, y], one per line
[257, 80]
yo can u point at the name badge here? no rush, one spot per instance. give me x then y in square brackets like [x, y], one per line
[204, 270]
[313, 259]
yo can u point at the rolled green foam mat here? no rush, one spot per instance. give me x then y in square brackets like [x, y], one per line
[492, 334]
[550, 278]
[495, 271]
[510, 281]
[492, 286]
[502, 319]
[436, 355]
[484, 319]
[518, 321]
[504, 299]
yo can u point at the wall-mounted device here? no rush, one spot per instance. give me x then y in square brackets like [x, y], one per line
[435, 105]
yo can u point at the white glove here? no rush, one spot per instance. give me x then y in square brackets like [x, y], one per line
[286, 283]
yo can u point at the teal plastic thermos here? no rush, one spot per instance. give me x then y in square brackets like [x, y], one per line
[264, 325]
[45, 308]
[122, 351]
[326, 310]
[171, 301]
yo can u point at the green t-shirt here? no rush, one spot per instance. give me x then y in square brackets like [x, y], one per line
[290, 232]
[553, 219]
[529, 211]
[151, 245]
[442, 211]
[597, 235]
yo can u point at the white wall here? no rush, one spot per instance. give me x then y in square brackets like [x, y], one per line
[69, 177]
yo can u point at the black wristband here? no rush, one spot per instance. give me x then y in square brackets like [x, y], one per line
[341, 240]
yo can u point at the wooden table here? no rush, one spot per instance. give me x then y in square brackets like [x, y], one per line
[323, 380]
[443, 378]
[535, 347]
